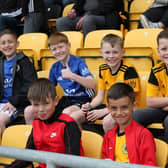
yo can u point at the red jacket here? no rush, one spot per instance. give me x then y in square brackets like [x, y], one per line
[139, 141]
[60, 136]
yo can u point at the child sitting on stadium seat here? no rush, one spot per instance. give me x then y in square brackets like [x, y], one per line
[52, 130]
[115, 70]
[128, 141]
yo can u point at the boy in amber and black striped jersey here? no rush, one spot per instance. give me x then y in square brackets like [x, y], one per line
[157, 89]
[115, 70]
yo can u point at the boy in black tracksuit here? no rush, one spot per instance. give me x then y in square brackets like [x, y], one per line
[16, 75]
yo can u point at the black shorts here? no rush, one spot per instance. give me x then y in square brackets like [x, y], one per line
[66, 101]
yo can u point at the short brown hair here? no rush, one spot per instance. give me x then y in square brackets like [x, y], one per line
[112, 39]
[161, 35]
[8, 31]
[41, 89]
[120, 90]
[56, 38]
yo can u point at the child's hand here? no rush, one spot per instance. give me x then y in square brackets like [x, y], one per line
[72, 13]
[8, 106]
[94, 115]
[66, 73]
[85, 107]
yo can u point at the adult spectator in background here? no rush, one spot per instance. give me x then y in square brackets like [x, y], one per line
[89, 15]
[10, 14]
[34, 16]
[66, 2]
[156, 16]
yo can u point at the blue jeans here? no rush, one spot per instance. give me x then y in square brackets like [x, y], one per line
[152, 115]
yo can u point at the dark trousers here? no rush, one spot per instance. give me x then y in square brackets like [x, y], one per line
[7, 22]
[152, 115]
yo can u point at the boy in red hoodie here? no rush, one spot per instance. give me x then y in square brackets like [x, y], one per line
[53, 131]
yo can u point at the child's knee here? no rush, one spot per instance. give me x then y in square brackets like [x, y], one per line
[4, 119]
[71, 109]
[29, 114]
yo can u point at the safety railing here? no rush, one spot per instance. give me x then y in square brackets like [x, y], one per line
[52, 160]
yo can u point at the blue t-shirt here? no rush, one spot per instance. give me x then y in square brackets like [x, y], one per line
[8, 80]
[70, 87]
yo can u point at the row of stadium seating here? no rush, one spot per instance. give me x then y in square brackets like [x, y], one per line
[17, 135]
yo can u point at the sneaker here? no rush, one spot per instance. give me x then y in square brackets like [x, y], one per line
[146, 23]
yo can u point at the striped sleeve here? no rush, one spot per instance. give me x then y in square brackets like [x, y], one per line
[152, 85]
[131, 77]
[72, 137]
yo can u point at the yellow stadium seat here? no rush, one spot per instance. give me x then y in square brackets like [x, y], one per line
[33, 42]
[92, 144]
[15, 136]
[93, 38]
[155, 126]
[93, 63]
[143, 81]
[43, 74]
[46, 59]
[143, 38]
[141, 62]
[88, 52]
[66, 9]
[52, 24]
[76, 40]
[136, 9]
[161, 152]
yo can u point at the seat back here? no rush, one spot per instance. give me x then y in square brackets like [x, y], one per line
[93, 38]
[161, 152]
[46, 59]
[136, 9]
[76, 40]
[88, 52]
[93, 63]
[92, 144]
[144, 75]
[15, 136]
[143, 38]
[34, 42]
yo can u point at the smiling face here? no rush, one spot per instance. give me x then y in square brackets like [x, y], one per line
[121, 111]
[8, 45]
[44, 109]
[60, 51]
[112, 55]
[163, 50]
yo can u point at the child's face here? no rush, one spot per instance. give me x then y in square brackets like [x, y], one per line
[8, 45]
[60, 51]
[112, 55]
[163, 50]
[44, 109]
[121, 110]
